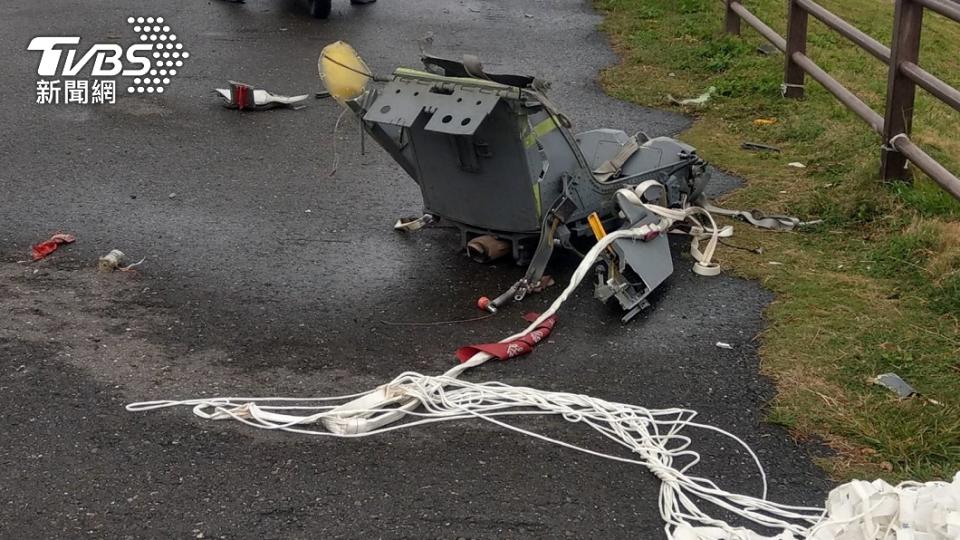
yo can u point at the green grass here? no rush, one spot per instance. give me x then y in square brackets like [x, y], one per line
[876, 287]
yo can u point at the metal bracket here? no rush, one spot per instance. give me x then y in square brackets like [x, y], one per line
[456, 110]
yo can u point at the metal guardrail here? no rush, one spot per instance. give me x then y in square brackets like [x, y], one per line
[904, 75]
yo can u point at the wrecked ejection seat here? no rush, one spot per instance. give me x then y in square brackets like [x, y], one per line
[494, 157]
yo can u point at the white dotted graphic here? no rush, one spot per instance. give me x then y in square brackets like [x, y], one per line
[166, 45]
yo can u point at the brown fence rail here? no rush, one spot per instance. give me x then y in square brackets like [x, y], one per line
[904, 76]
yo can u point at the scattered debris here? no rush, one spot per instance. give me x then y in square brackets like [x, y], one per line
[758, 146]
[723, 345]
[766, 49]
[545, 283]
[697, 101]
[245, 97]
[172, 196]
[47, 247]
[410, 224]
[764, 121]
[796, 165]
[893, 382]
[775, 263]
[113, 261]
[322, 94]
[774, 222]
[758, 250]
[130, 267]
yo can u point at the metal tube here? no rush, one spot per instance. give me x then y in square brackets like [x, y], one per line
[486, 248]
[758, 25]
[847, 30]
[930, 83]
[845, 96]
[947, 9]
[927, 164]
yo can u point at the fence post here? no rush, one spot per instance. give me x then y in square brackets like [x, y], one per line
[901, 91]
[733, 20]
[794, 76]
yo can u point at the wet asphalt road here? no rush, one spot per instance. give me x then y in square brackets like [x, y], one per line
[268, 276]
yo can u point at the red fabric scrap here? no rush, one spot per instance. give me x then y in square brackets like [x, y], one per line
[43, 249]
[512, 349]
[243, 96]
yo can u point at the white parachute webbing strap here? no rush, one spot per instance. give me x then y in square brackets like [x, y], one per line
[384, 405]
[773, 222]
[704, 265]
[612, 167]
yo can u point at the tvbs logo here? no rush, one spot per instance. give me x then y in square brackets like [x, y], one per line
[105, 59]
[151, 64]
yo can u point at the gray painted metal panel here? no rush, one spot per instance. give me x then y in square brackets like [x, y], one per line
[460, 112]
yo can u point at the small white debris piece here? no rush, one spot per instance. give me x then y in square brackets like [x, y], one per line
[111, 261]
[245, 97]
[410, 224]
[724, 345]
[796, 165]
[697, 101]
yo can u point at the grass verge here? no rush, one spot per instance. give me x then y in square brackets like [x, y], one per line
[876, 287]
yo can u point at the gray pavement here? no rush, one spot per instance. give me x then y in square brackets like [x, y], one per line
[267, 276]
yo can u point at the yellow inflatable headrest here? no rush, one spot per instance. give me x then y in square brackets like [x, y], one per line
[343, 72]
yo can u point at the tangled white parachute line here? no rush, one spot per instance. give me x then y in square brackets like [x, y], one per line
[653, 436]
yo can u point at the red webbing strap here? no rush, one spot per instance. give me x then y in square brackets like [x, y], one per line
[511, 349]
